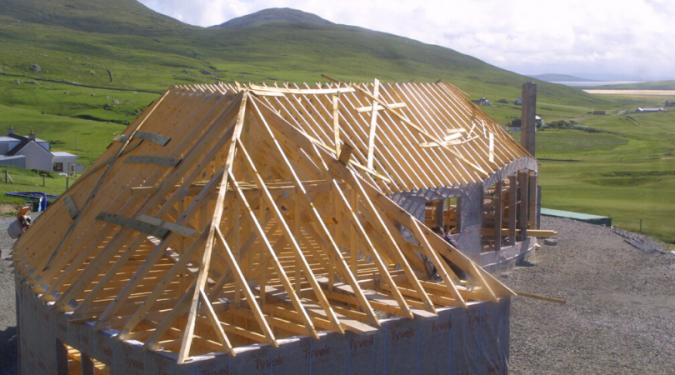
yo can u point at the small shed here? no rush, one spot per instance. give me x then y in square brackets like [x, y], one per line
[64, 162]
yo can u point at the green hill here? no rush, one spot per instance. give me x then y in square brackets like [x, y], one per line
[145, 50]
[97, 16]
[104, 61]
[273, 15]
[77, 71]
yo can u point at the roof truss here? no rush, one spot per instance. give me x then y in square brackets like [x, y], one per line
[258, 228]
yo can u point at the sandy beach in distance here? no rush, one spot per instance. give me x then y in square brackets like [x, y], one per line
[632, 92]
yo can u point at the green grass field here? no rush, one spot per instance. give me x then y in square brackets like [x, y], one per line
[623, 168]
[20, 179]
[627, 173]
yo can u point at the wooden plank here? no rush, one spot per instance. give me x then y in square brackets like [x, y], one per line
[288, 286]
[152, 342]
[348, 324]
[357, 227]
[144, 190]
[96, 188]
[328, 243]
[266, 93]
[290, 239]
[440, 144]
[453, 136]
[215, 324]
[379, 107]
[73, 211]
[95, 169]
[186, 173]
[184, 231]
[156, 160]
[533, 209]
[523, 184]
[539, 233]
[152, 137]
[248, 293]
[441, 266]
[513, 198]
[417, 128]
[393, 306]
[215, 222]
[301, 91]
[133, 224]
[499, 214]
[273, 321]
[539, 297]
[440, 297]
[336, 123]
[388, 232]
[403, 217]
[373, 126]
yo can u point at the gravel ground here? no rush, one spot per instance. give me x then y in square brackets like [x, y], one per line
[8, 339]
[620, 311]
[619, 317]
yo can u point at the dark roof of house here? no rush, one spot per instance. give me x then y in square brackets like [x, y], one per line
[23, 142]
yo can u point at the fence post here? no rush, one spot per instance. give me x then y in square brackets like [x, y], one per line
[43, 180]
[6, 176]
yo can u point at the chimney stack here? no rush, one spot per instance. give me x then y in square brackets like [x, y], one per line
[11, 130]
[31, 136]
[528, 124]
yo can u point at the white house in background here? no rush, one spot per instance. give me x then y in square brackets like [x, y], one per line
[31, 152]
[650, 110]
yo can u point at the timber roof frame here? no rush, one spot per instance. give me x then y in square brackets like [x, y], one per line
[228, 215]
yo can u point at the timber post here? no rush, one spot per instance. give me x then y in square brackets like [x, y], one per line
[528, 117]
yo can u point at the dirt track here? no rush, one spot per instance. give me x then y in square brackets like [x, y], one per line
[619, 318]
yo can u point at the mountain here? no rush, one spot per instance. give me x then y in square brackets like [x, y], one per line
[105, 60]
[551, 77]
[96, 16]
[273, 15]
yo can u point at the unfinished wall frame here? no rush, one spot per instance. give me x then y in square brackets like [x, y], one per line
[247, 219]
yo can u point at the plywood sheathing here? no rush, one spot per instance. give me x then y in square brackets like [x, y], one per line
[224, 216]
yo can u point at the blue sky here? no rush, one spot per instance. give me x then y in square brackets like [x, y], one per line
[625, 37]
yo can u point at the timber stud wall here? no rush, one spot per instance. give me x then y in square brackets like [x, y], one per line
[458, 341]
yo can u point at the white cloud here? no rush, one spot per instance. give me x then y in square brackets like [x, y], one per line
[528, 36]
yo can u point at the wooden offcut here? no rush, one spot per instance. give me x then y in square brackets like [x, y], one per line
[152, 137]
